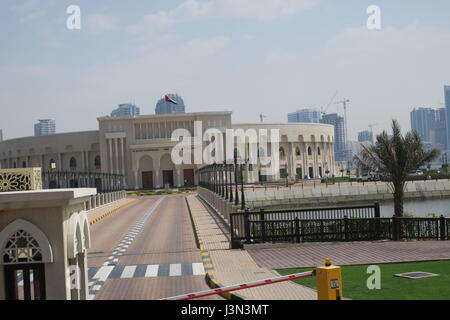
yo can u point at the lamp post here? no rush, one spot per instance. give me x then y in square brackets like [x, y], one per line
[242, 186]
[226, 179]
[236, 201]
[230, 167]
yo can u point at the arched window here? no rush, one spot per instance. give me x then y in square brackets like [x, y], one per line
[72, 163]
[318, 151]
[24, 164]
[282, 154]
[21, 247]
[309, 151]
[52, 164]
[97, 162]
[23, 242]
[297, 151]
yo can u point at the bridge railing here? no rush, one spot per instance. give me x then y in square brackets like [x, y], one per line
[297, 227]
[101, 199]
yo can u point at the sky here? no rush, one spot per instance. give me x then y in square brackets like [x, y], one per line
[245, 56]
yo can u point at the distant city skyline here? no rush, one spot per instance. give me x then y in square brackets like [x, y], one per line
[126, 110]
[44, 127]
[250, 57]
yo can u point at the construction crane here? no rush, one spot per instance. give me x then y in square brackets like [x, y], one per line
[324, 110]
[344, 103]
[261, 117]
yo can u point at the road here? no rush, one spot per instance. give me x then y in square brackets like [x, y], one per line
[145, 251]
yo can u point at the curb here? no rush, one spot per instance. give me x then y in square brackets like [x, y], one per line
[103, 216]
[212, 282]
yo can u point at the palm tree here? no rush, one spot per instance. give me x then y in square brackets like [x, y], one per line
[394, 157]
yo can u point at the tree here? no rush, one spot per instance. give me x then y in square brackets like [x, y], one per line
[394, 157]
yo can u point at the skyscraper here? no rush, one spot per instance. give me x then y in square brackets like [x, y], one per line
[365, 136]
[126, 110]
[305, 116]
[44, 127]
[430, 124]
[447, 107]
[339, 134]
[171, 103]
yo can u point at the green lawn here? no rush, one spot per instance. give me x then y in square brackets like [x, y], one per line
[354, 280]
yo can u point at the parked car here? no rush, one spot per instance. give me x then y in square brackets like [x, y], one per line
[416, 173]
[371, 176]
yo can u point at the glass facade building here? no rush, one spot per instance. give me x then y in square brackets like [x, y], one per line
[45, 127]
[126, 110]
[305, 116]
[171, 103]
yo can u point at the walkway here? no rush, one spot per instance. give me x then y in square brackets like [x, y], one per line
[353, 253]
[230, 267]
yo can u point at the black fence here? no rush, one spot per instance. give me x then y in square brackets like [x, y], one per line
[248, 227]
[104, 182]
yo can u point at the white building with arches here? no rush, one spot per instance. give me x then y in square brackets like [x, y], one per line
[139, 150]
[44, 237]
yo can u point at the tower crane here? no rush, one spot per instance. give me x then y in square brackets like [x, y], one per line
[344, 103]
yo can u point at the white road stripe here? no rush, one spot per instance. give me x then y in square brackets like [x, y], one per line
[152, 271]
[128, 272]
[175, 269]
[103, 273]
[197, 268]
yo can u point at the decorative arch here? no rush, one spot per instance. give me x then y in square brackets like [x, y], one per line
[52, 164]
[97, 162]
[78, 236]
[72, 163]
[23, 242]
[84, 224]
[309, 151]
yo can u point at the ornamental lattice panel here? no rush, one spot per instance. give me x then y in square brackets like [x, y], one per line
[20, 179]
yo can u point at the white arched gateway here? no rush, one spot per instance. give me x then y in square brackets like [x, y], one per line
[25, 250]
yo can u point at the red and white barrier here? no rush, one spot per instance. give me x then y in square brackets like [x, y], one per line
[200, 294]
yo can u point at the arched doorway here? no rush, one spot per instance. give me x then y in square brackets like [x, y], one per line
[167, 169]
[24, 252]
[146, 172]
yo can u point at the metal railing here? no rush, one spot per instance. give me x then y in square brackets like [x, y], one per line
[248, 227]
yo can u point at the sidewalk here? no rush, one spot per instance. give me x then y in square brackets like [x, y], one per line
[97, 214]
[229, 267]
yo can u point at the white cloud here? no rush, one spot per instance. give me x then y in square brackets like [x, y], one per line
[101, 23]
[28, 10]
[191, 10]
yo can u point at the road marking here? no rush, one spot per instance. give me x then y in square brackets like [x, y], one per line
[197, 268]
[128, 272]
[103, 273]
[152, 271]
[175, 270]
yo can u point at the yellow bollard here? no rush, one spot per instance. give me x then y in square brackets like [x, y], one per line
[329, 282]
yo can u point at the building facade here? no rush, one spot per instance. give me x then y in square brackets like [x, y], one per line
[305, 116]
[339, 134]
[138, 151]
[126, 110]
[447, 108]
[45, 127]
[171, 103]
[365, 136]
[430, 124]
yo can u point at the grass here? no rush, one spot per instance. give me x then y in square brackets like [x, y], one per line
[354, 279]
[161, 192]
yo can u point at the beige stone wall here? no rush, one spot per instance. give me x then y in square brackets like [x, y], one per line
[147, 144]
[39, 151]
[296, 139]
